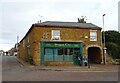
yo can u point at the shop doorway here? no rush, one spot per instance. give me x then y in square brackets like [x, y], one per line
[76, 54]
[94, 55]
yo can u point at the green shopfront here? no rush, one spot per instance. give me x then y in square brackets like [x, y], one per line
[60, 52]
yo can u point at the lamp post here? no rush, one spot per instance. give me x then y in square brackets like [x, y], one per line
[104, 48]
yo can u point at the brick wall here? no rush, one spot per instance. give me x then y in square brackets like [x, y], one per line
[35, 35]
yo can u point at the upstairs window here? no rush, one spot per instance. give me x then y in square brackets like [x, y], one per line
[93, 36]
[55, 34]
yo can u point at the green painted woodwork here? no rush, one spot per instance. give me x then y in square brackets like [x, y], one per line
[71, 45]
[75, 57]
[49, 52]
[42, 54]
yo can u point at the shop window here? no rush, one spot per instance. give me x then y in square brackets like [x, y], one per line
[60, 54]
[55, 52]
[55, 34]
[48, 54]
[68, 54]
[59, 57]
[93, 36]
[68, 51]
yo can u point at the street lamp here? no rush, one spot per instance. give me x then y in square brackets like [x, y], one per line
[104, 48]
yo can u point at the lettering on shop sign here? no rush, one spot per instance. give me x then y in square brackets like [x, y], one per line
[61, 45]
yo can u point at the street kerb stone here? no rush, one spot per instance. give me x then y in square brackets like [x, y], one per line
[75, 69]
[23, 63]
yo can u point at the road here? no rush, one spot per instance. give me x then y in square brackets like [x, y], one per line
[12, 70]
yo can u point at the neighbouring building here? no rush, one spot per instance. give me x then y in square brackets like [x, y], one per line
[1, 52]
[13, 52]
[60, 43]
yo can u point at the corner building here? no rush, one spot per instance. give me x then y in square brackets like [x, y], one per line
[60, 43]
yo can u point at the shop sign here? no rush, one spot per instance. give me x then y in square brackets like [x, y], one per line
[61, 45]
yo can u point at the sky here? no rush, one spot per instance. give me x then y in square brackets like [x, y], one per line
[17, 16]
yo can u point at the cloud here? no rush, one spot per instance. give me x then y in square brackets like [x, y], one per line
[19, 15]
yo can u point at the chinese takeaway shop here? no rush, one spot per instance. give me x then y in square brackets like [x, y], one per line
[61, 43]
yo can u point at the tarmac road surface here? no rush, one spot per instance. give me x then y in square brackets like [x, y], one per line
[12, 70]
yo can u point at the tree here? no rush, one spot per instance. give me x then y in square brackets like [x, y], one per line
[82, 19]
[113, 50]
[113, 43]
[112, 36]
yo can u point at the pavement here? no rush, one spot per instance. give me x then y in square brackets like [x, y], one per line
[93, 67]
[14, 69]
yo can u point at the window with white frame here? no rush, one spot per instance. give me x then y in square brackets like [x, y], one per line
[93, 35]
[55, 34]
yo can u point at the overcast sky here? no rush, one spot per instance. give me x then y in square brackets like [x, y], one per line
[17, 16]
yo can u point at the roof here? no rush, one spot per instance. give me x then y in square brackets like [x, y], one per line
[67, 24]
[63, 25]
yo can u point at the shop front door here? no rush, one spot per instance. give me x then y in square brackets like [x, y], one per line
[76, 53]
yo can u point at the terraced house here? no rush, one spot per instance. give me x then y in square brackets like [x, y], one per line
[60, 43]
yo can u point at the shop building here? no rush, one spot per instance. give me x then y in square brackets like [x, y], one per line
[61, 43]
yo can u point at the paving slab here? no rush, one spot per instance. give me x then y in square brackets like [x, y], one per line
[93, 67]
